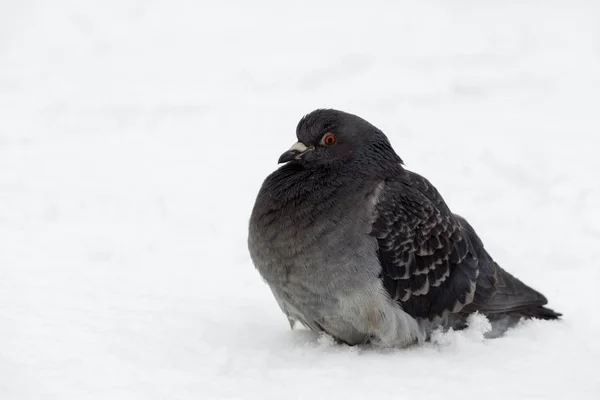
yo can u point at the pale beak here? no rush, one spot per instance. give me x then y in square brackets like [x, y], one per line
[294, 153]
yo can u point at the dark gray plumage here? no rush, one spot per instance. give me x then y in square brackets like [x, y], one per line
[353, 244]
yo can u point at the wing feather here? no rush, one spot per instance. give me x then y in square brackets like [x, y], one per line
[428, 265]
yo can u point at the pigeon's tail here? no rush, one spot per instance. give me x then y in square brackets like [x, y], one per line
[499, 294]
[513, 297]
[540, 312]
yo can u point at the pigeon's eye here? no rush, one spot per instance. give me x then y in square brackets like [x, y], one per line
[329, 139]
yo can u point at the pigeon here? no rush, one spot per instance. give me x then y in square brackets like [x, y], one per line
[354, 245]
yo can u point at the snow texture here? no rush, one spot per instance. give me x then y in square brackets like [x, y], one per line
[134, 137]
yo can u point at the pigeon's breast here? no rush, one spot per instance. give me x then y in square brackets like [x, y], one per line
[312, 245]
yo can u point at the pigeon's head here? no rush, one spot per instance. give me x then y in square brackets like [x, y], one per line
[327, 137]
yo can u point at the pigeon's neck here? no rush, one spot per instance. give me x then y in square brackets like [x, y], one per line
[295, 183]
[294, 198]
[296, 191]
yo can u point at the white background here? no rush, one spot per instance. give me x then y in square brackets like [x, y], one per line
[135, 135]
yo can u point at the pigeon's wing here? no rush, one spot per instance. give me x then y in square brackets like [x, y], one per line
[434, 263]
[429, 264]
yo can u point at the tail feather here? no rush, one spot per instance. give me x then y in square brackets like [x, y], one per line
[512, 294]
[499, 293]
[513, 297]
[539, 313]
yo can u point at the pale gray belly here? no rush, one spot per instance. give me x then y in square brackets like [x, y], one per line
[355, 317]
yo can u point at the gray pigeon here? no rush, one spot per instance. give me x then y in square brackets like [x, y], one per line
[353, 244]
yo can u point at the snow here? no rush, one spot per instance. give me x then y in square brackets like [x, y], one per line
[134, 137]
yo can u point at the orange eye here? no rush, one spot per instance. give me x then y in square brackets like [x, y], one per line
[329, 139]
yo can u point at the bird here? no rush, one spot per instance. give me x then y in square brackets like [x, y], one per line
[354, 245]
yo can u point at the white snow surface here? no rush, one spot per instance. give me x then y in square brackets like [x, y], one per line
[134, 137]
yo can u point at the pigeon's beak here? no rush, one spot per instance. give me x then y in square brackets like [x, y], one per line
[294, 153]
